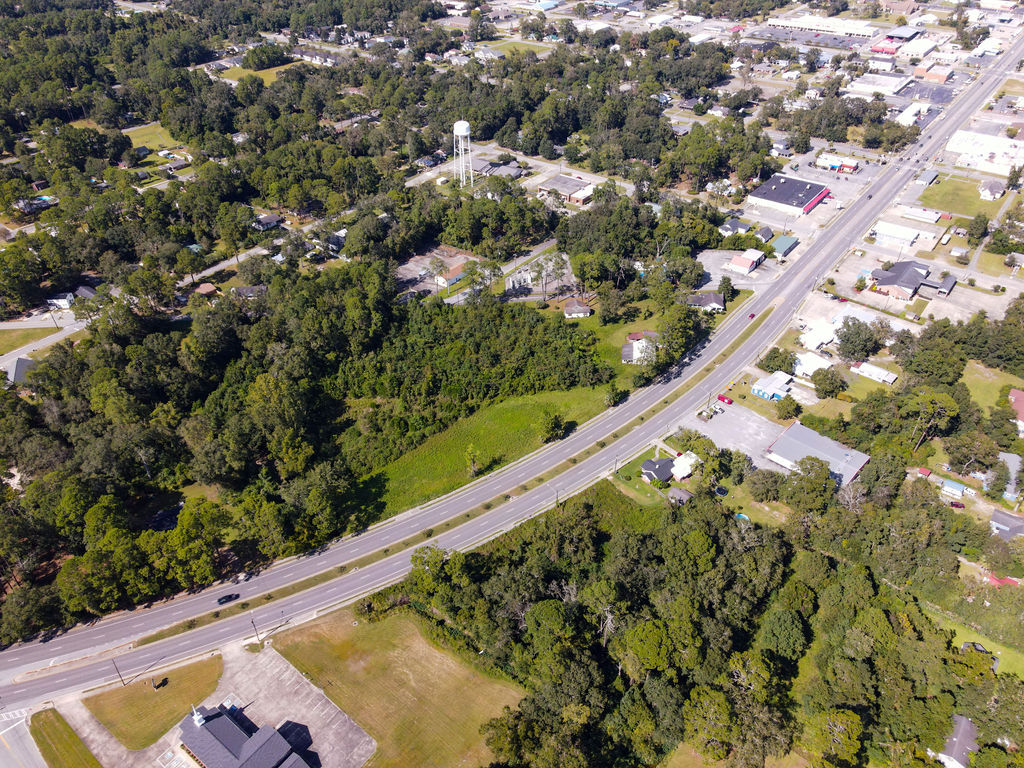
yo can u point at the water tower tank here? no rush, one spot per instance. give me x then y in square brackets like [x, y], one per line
[462, 128]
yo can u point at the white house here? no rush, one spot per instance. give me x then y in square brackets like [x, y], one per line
[874, 372]
[684, 465]
[809, 362]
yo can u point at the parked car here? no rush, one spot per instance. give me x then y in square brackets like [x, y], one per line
[724, 399]
[225, 599]
[956, 504]
[843, 298]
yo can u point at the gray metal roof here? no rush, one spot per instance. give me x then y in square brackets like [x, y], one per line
[799, 442]
[1005, 525]
[219, 741]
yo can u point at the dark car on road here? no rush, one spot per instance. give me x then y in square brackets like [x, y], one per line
[225, 599]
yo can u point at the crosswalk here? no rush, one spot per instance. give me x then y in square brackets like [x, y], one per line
[14, 714]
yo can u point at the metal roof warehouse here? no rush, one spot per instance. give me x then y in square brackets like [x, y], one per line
[798, 442]
[789, 194]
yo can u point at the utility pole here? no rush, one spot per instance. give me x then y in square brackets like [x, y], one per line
[123, 683]
[253, 622]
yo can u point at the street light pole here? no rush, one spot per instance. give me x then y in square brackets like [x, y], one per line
[253, 622]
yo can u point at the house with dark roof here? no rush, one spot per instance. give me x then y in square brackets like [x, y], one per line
[575, 308]
[734, 226]
[656, 470]
[764, 234]
[215, 739]
[960, 745]
[17, 372]
[706, 302]
[249, 291]
[905, 278]
[267, 221]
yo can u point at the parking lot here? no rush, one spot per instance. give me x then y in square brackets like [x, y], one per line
[738, 429]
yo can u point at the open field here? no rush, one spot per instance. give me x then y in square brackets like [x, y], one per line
[154, 136]
[1011, 660]
[39, 354]
[268, 76]
[960, 197]
[984, 383]
[58, 743]
[137, 715]
[86, 123]
[500, 433]
[685, 756]
[12, 339]
[423, 706]
[508, 46]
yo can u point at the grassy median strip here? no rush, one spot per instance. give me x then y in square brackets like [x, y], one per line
[139, 713]
[58, 743]
[423, 536]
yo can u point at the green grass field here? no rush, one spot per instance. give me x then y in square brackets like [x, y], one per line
[500, 433]
[984, 383]
[138, 716]
[267, 75]
[685, 756]
[10, 340]
[58, 743]
[1011, 660]
[636, 488]
[992, 264]
[508, 46]
[154, 136]
[423, 705]
[39, 354]
[958, 196]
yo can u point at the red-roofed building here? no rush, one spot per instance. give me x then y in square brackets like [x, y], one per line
[1017, 403]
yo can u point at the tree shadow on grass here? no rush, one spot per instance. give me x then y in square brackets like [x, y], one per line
[366, 500]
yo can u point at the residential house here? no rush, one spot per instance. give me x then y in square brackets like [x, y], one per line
[267, 221]
[249, 291]
[85, 292]
[17, 372]
[990, 189]
[215, 739]
[206, 289]
[960, 745]
[807, 363]
[574, 308]
[764, 234]
[656, 470]
[640, 347]
[707, 302]
[683, 466]
[734, 226]
[60, 301]
[773, 387]
[336, 240]
[953, 488]
[874, 372]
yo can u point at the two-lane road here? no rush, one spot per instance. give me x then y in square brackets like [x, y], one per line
[784, 295]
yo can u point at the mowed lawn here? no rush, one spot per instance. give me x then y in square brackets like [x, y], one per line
[685, 756]
[423, 705]
[11, 340]
[137, 715]
[1011, 660]
[267, 75]
[152, 135]
[958, 196]
[58, 743]
[984, 383]
[500, 433]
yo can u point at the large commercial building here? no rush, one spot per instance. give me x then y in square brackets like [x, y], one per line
[789, 194]
[830, 25]
[887, 85]
[987, 153]
[798, 442]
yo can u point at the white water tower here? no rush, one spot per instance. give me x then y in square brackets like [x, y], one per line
[463, 154]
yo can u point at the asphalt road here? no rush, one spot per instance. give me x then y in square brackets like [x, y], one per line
[783, 297]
